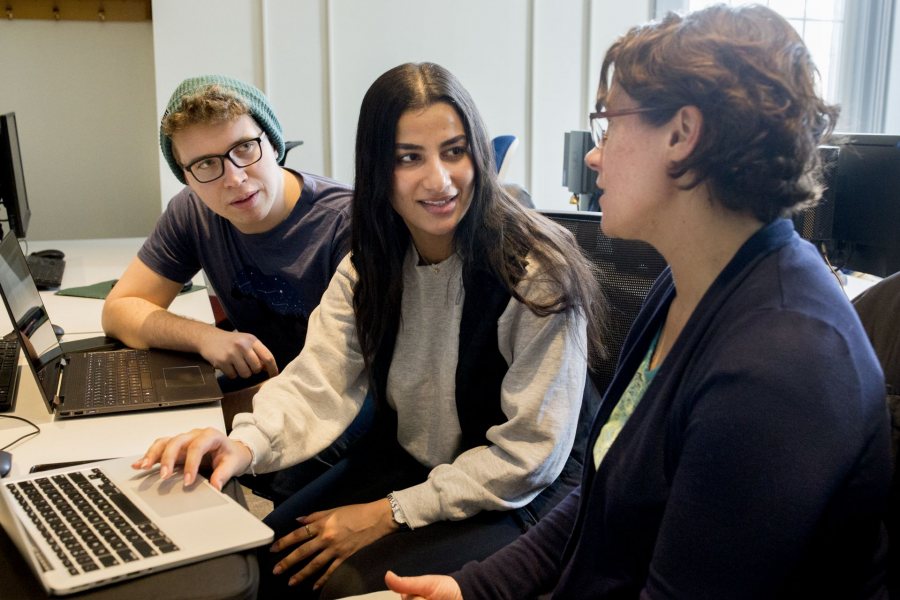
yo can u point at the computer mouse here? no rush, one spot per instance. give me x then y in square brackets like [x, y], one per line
[50, 253]
[5, 463]
[59, 331]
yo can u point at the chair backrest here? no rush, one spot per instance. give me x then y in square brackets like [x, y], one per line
[288, 145]
[879, 311]
[504, 147]
[625, 269]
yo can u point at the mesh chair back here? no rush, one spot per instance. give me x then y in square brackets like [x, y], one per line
[626, 270]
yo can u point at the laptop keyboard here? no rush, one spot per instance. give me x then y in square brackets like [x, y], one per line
[47, 272]
[88, 522]
[118, 378]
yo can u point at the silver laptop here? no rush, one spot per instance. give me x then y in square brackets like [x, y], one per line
[95, 524]
[78, 383]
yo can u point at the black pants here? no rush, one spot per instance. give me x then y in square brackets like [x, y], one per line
[369, 473]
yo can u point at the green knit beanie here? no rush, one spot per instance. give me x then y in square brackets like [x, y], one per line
[256, 101]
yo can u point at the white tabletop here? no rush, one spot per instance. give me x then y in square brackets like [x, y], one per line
[89, 262]
[856, 283]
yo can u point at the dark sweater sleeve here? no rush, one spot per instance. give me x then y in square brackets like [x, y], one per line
[772, 461]
[527, 567]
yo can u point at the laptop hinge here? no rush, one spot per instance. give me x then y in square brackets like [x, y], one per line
[59, 398]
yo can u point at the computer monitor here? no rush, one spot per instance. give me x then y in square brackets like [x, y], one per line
[867, 203]
[816, 224]
[12, 178]
[857, 221]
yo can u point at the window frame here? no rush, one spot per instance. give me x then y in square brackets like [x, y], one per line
[863, 67]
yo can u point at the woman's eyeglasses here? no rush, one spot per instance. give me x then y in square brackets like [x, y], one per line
[600, 121]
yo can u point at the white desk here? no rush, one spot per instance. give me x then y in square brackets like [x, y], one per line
[88, 262]
[857, 283]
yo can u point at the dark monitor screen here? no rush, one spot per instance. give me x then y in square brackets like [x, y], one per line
[817, 223]
[856, 224]
[12, 177]
[866, 228]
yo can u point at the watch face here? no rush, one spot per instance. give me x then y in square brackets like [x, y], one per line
[397, 513]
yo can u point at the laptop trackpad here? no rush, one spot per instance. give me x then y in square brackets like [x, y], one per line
[169, 498]
[177, 377]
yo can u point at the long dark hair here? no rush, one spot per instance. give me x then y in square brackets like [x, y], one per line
[495, 235]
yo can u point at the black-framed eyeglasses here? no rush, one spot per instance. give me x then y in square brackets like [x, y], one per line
[600, 121]
[243, 154]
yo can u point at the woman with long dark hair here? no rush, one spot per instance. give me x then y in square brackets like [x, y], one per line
[471, 321]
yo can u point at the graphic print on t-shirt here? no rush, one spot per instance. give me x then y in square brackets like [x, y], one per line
[272, 292]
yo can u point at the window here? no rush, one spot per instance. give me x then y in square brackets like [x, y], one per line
[850, 43]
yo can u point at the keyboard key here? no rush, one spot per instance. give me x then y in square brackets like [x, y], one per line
[88, 522]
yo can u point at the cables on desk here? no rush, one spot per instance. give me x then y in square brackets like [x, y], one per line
[37, 430]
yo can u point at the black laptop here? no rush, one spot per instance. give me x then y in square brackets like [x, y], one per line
[81, 383]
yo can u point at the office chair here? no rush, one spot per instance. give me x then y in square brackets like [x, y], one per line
[287, 148]
[625, 269]
[879, 310]
[504, 147]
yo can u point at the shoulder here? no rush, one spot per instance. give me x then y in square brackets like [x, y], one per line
[185, 199]
[787, 282]
[180, 215]
[346, 271]
[790, 329]
[325, 194]
[340, 288]
[173, 248]
[792, 294]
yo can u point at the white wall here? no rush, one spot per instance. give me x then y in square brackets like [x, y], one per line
[528, 65]
[83, 94]
[368, 39]
[296, 75]
[88, 96]
[199, 38]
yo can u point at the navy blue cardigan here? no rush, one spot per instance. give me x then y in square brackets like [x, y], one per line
[756, 465]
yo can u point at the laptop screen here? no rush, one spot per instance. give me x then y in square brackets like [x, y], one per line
[27, 312]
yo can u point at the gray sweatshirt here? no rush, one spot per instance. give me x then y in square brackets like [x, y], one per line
[305, 408]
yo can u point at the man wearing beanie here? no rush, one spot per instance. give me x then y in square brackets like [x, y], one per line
[268, 238]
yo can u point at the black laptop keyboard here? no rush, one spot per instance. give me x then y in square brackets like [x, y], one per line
[118, 378]
[46, 272]
[88, 522]
[9, 371]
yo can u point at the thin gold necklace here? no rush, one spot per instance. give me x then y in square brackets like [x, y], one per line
[436, 267]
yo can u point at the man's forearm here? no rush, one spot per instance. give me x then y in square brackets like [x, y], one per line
[142, 324]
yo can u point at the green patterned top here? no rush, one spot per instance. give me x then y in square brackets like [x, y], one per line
[627, 403]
